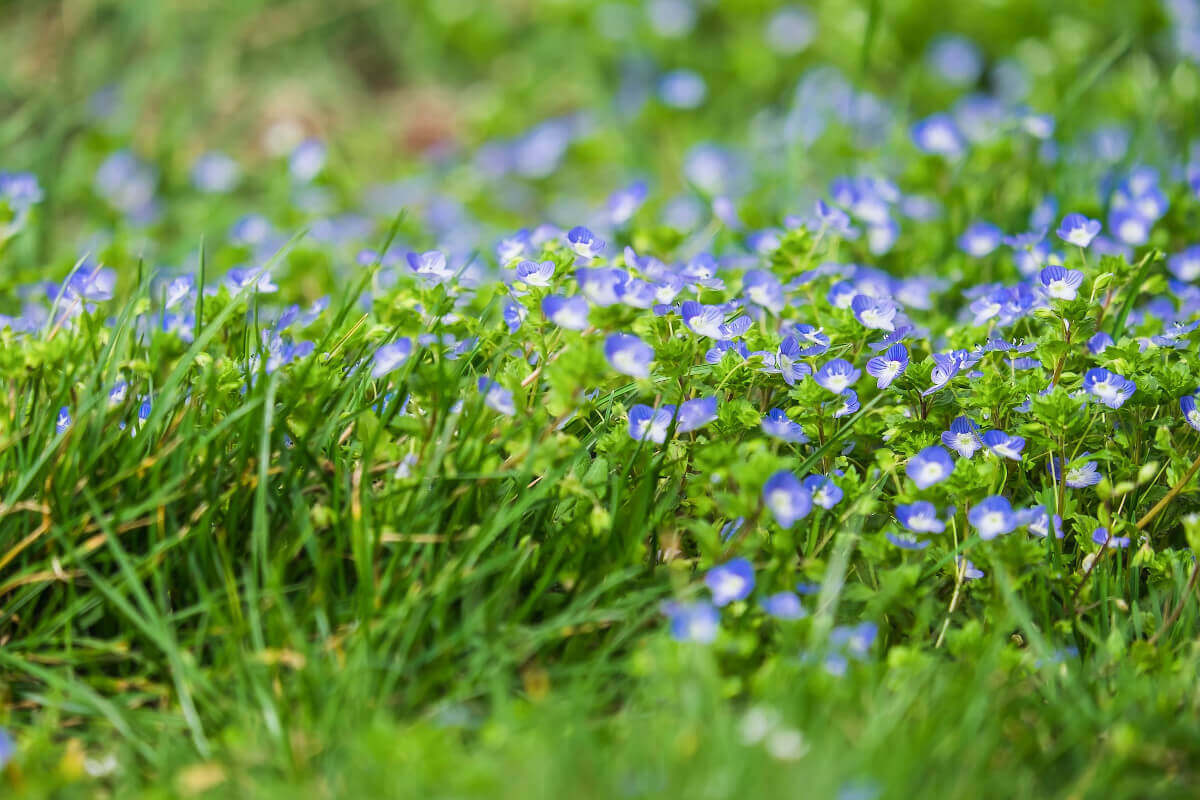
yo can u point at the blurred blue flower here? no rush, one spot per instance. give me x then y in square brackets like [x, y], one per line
[786, 498]
[992, 517]
[628, 354]
[731, 581]
[931, 465]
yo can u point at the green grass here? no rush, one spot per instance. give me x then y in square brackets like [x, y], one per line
[284, 585]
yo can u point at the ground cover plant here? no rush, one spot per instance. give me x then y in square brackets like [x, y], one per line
[600, 399]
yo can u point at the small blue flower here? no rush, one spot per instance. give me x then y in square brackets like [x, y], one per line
[1060, 283]
[764, 289]
[1100, 342]
[584, 242]
[877, 313]
[1187, 404]
[624, 203]
[1004, 445]
[710, 321]
[1109, 388]
[784, 605]
[693, 622]
[905, 541]
[848, 406]
[980, 239]
[535, 273]
[825, 493]
[813, 341]
[648, 423]
[1078, 230]
[682, 88]
[566, 312]
[604, 286]
[969, 571]
[787, 499]
[1102, 537]
[1129, 226]
[937, 134]
[732, 581]
[776, 423]
[215, 173]
[887, 367]
[390, 357]
[1079, 476]
[1038, 520]
[430, 264]
[307, 160]
[695, 414]
[628, 354]
[496, 397]
[963, 437]
[837, 375]
[931, 465]
[63, 421]
[786, 362]
[1185, 265]
[992, 517]
[8, 748]
[920, 516]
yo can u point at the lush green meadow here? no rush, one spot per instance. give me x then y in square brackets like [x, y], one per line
[690, 398]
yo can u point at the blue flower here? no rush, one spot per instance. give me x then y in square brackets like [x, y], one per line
[307, 160]
[1038, 520]
[390, 357]
[1004, 445]
[1129, 226]
[825, 493]
[584, 242]
[969, 571]
[628, 354]
[1102, 537]
[1187, 404]
[784, 605]
[695, 414]
[1060, 283]
[1100, 342]
[905, 541]
[603, 286]
[776, 423]
[878, 313]
[963, 437]
[624, 203]
[496, 397]
[63, 421]
[732, 581]
[887, 367]
[693, 622]
[764, 289]
[215, 173]
[566, 312]
[710, 321]
[787, 499]
[813, 341]
[648, 423]
[849, 405]
[430, 264]
[1185, 265]
[938, 135]
[992, 517]
[1109, 388]
[535, 273]
[786, 362]
[1079, 476]
[837, 375]
[8, 748]
[931, 465]
[920, 516]
[980, 239]
[682, 88]
[1078, 230]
